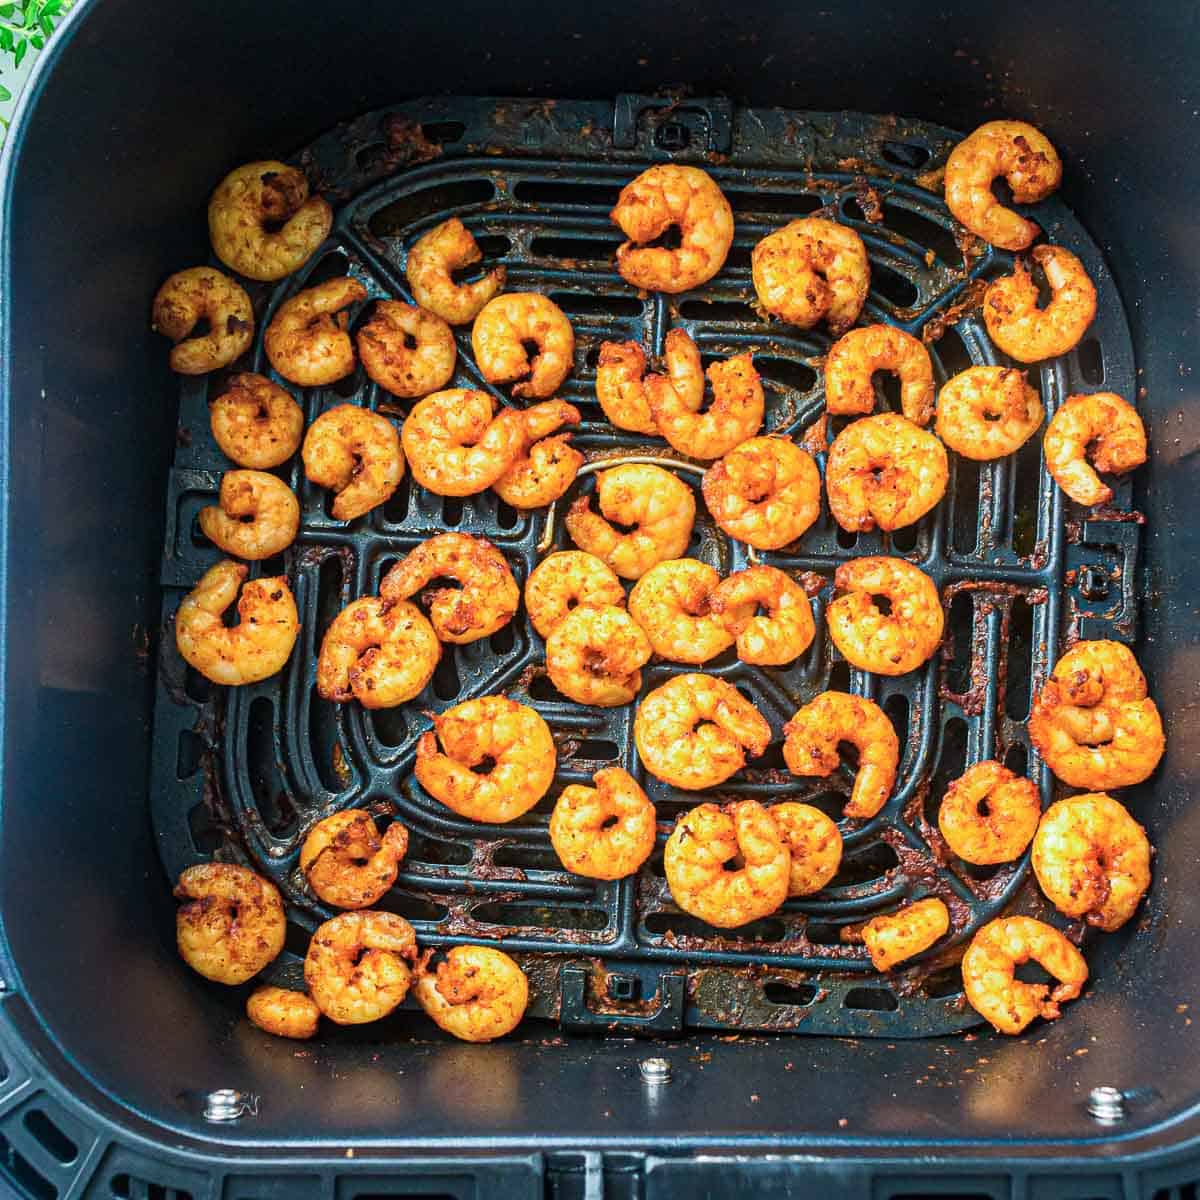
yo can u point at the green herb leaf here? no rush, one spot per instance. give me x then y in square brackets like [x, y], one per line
[7, 10]
[37, 42]
[52, 8]
[6, 40]
[5, 94]
[22, 49]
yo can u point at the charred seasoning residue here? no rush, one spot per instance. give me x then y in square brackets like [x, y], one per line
[868, 200]
[970, 300]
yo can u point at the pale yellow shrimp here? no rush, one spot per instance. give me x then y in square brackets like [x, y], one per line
[989, 815]
[231, 923]
[398, 367]
[257, 515]
[380, 654]
[511, 736]
[811, 740]
[546, 466]
[989, 972]
[884, 471]
[665, 197]
[671, 602]
[434, 255]
[765, 492]
[1028, 162]
[306, 341]
[621, 383]
[694, 731]
[1101, 426]
[478, 994]
[263, 223]
[203, 294]
[359, 965]
[659, 508]
[595, 655]
[605, 832]
[988, 412]
[894, 937]
[258, 646]
[284, 1013]
[501, 331]
[346, 861]
[256, 422]
[814, 843]
[776, 637]
[855, 357]
[486, 599]
[1022, 329]
[891, 643]
[727, 865]
[564, 581]
[356, 453]
[812, 269]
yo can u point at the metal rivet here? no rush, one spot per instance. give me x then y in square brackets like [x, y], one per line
[655, 1070]
[228, 1104]
[1106, 1104]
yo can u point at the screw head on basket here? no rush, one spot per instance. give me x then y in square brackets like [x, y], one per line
[1106, 1104]
[655, 1070]
[228, 1104]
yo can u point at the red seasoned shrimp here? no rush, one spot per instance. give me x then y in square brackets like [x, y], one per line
[347, 863]
[356, 453]
[1027, 332]
[1101, 426]
[500, 334]
[855, 357]
[988, 412]
[306, 341]
[477, 994]
[434, 255]
[198, 294]
[772, 639]
[404, 370]
[605, 832]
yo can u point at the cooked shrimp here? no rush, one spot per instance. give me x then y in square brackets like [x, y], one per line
[306, 341]
[1028, 162]
[989, 815]
[1102, 426]
[621, 384]
[486, 599]
[380, 654]
[358, 966]
[1029, 333]
[811, 740]
[728, 866]
[257, 646]
[595, 656]
[500, 334]
[202, 294]
[398, 367]
[894, 937]
[490, 728]
[478, 994]
[891, 643]
[659, 508]
[605, 832]
[812, 269]
[357, 453]
[666, 197]
[765, 492]
[775, 638]
[434, 255]
[693, 731]
[257, 515]
[283, 1013]
[884, 471]
[231, 923]
[566, 580]
[988, 412]
[263, 223]
[546, 466]
[989, 972]
[671, 603]
[855, 357]
[256, 422]
[814, 843]
[347, 863]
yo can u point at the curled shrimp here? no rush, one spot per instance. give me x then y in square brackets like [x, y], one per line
[855, 357]
[567, 580]
[258, 646]
[989, 972]
[666, 197]
[697, 861]
[813, 842]
[765, 492]
[891, 643]
[404, 370]
[659, 508]
[257, 515]
[512, 736]
[306, 341]
[256, 422]
[989, 815]
[486, 599]
[621, 382]
[671, 603]
[595, 655]
[263, 223]
[694, 731]
[884, 471]
[1022, 329]
[546, 466]
[231, 923]
[894, 937]
[1102, 426]
[380, 654]
[776, 637]
[988, 412]
[501, 332]
[434, 255]
[606, 831]
[346, 861]
[202, 294]
[811, 740]
[283, 1013]
[1029, 164]
[812, 269]
[478, 994]
[358, 454]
